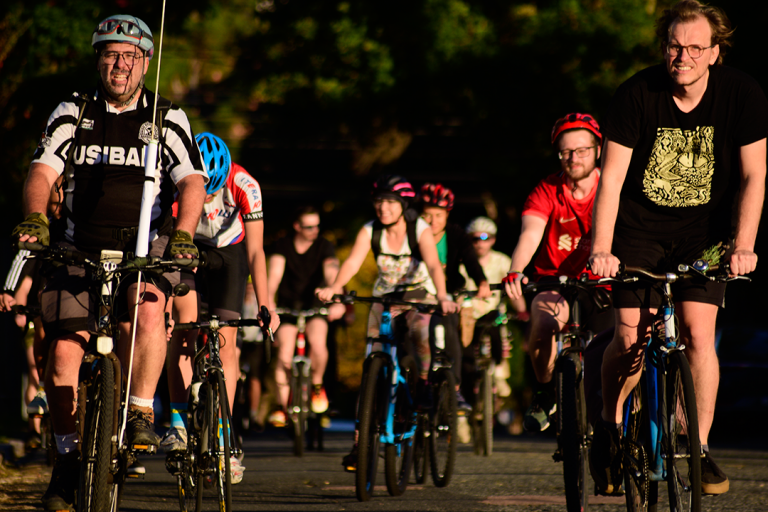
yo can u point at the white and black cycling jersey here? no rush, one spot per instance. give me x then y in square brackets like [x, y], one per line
[103, 187]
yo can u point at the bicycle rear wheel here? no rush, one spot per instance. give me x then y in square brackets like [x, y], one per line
[371, 413]
[214, 467]
[95, 469]
[681, 436]
[47, 440]
[443, 438]
[640, 492]
[572, 430]
[399, 457]
[299, 407]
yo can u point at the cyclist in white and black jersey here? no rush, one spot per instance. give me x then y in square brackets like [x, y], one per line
[97, 141]
[411, 278]
[231, 232]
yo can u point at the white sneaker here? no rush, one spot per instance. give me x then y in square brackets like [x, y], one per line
[462, 429]
[39, 405]
[175, 440]
[237, 469]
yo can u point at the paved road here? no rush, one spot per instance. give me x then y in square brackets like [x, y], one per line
[519, 476]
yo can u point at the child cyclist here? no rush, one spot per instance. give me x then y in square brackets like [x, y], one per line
[407, 272]
[231, 232]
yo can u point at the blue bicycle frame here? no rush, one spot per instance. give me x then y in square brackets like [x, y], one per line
[389, 348]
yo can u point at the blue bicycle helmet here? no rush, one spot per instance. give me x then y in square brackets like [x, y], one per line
[124, 28]
[216, 160]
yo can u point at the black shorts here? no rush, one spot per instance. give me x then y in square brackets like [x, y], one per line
[665, 256]
[315, 303]
[596, 307]
[222, 284]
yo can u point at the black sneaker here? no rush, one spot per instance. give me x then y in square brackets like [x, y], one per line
[60, 494]
[605, 459]
[462, 406]
[713, 480]
[140, 431]
[350, 460]
[537, 416]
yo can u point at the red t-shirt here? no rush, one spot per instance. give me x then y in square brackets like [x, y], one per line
[568, 236]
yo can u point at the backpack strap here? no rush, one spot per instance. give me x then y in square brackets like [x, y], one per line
[413, 240]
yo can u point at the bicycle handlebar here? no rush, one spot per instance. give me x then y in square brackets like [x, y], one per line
[80, 259]
[628, 274]
[352, 297]
[306, 313]
[215, 325]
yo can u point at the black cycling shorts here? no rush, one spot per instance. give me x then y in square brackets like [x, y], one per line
[665, 256]
[222, 284]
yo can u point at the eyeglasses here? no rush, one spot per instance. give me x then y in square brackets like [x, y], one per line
[580, 152]
[127, 28]
[308, 228]
[128, 57]
[694, 51]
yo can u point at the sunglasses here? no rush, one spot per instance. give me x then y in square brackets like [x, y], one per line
[482, 236]
[316, 226]
[127, 28]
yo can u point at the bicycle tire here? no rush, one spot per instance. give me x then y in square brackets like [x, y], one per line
[398, 459]
[371, 412]
[299, 408]
[681, 436]
[224, 450]
[443, 439]
[641, 493]
[95, 489]
[572, 429]
[47, 439]
[487, 426]
[420, 449]
[205, 411]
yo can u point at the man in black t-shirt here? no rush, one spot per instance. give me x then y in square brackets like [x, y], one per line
[299, 264]
[685, 143]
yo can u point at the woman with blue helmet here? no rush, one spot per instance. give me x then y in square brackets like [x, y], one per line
[231, 231]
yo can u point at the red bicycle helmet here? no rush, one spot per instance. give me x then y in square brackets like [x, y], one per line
[434, 194]
[577, 121]
[393, 187]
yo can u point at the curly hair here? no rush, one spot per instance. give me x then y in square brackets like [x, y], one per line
[689, 10]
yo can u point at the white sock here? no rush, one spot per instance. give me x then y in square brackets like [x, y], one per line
[66, 443]
[141, 402]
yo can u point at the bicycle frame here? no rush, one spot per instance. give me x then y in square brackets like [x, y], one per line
[389, 349]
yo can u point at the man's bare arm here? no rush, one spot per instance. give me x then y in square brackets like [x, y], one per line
[191, 199]
[753, 171]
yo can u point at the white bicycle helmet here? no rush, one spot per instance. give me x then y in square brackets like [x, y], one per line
[482, 225]
[124, 28]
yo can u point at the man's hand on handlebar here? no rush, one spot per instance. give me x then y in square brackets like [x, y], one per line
[447, 305]
[513, 284]
[181, 245]
[743, 262]
[326, 294]
[604, 264]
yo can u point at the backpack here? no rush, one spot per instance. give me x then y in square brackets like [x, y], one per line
[411, 217]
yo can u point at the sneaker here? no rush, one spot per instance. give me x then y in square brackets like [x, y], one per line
[39, 405]
[140, 430]
[350, 460]
[713, 480]
[462, 406]
[236, 468]
[319, 399]
[537, 416]
[60, 494]
[605, 459]
[463, 430]
[175, 440]
[136, 470]
[277, 419]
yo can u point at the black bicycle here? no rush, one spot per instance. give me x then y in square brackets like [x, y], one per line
[211, 440]
[101, 401]
[574, 435]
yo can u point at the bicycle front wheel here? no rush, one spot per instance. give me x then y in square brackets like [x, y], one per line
[681, 436]
[641, 492]
[299, 407]
[443, 438]
[399, 457]
[420, 450]
[95, 469]
[371, 413]
[572, 430]
[214, 466]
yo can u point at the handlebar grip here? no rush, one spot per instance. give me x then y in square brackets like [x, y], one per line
[268, 338]
[32, 246]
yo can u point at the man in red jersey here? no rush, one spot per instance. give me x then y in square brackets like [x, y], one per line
[559, 212]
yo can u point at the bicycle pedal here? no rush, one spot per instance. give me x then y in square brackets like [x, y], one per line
[144, 448]
[136, 471]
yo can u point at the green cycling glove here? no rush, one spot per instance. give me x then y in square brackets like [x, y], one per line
[181, 243]
[36, 224]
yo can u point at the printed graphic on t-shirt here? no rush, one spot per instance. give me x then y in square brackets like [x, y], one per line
[680, 168]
